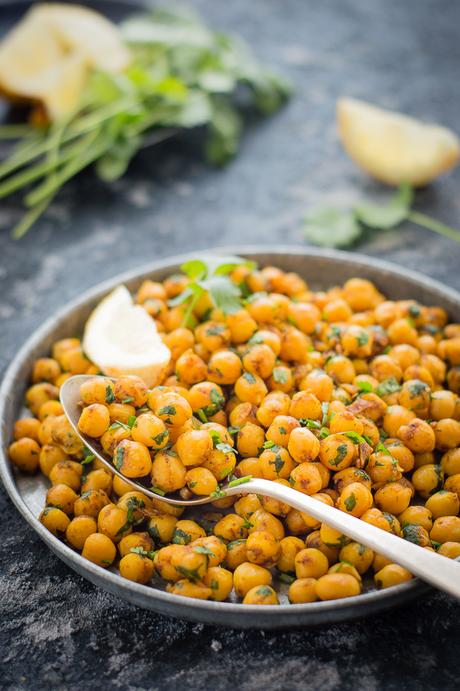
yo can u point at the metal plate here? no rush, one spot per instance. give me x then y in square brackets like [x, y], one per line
[321, 269]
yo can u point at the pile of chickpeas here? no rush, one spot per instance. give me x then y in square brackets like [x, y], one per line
[342, 394]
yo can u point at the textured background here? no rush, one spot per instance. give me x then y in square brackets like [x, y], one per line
[57, 631]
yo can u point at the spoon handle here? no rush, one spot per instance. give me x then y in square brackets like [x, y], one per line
[439, 571]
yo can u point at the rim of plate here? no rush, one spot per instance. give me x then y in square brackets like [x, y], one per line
[208, 611]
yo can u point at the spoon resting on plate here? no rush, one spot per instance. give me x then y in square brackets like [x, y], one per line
[435, 569]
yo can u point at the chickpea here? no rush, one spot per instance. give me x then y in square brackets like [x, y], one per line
[344, 567]
[135, 541]
[173, 409]
[38, 394]
[384, 368]
[90, 503]
[248, 466]
[248, 576]
[450, 550]
[224, 367]
[333, 586]
[250, 439]
[391, 574]
[359, 556]
[97, 390]
[132, 459]
[74, 360]
[447, 434]
[66, 473]
[25, 454]
[383, 520]
[427, 479]
[318, 383]
[150, 431]
[50, 455]
[168, 472]
[27, 427]
[314, 540]
[302, 590]
[188, 588]
[337, 452]
[55, 520]
[305, 405]
[355, 499]
[450, 462]
[178, 341]
[201, 481]
[220, 463]
[113, 521]
[310, 563]
[401, 332]
[262, 548]
[135, 503]
[94, 420]
[99, 549]
[220, 581]
[121, 412]
[236, 554]
[393, 498]
[289, 547]
[261, 595]
[231, 527]
[136, 567]
[401, 453]
[395, 417]
[80, 528]
[306, 478]
[62, 497]
[345, 422]
[415, 395]
[382, 467]
[64, 436]
[452, 484]
[161, 527]
[345, 477]
[446, 529]
[417, 515]
[443, 503]
[417, 435]
[332, 537]
[274, 404]
[303, 445]
[191, 368]
[262, 520]
[98, 479]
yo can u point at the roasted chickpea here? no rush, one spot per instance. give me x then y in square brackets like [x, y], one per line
[62, 497]
[221, 463]
[66, 473]
[224, 367]
[393, 498]
[337, 452]
[113, 521]
[132, 459]
[391, 574]
[64, 436]
[247, 576]
[191, 368]
[450, 550]
[201, 481]
[417, 435]
[90, 503]
[306, 478]
[447, 434]
[427, 479]
[167, 471]
[355, 499]
[50, 455]
[220, 581]
[25, 454]
[80, 528]
[38, 394]
[311, 563]
[136, 567]
[138, 541]
[55, 520]
[262, 548]
[417, 515]
[443, 503]
[446, 529]
[261, 595]
[99, 549]
[27, 427]
[333, 586]
[94, 420]
[303, 445]
[359, 556]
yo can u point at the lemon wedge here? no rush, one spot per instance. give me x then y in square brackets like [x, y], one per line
[121, 338]
[46, 58]
[392, 147]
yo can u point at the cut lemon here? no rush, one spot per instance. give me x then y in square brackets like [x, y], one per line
[121, 338]
[395, 148]
[45, 59]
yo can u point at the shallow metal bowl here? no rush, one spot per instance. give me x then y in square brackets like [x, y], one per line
[321, 269]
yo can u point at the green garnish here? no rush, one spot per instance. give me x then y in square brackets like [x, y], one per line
[334, 227]
[280, 375]
[350, 502]
[342, 451]
[218, 493]
[180, 537]
[128, 399]
[201, 549]
[157, 490]
[143, 552]
[210, 276]
[182, 75]
[286, 578]
[310, 424]
[109, 395]
[118, 458]
[364, 386]
[387, 387]
[239, 481]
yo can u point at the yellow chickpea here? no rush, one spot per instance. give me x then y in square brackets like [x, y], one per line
[303, 445]
[261, 595]
[27, 427]
[450, 462]
[150, 431]
[94, 420]
[55, 520]
[121, 412]
[98, 479]
[99, 549]
[452, 484]
[97, 390]
[112, 521]
[64, 436]
[306, 478]
[427, 479]
[318, 383]
[25, 454]
[38, 394]
[220, 581]
[333, 586]
[395, 417]
[289, 547]
[450, 550]
[132, 459]
[66, 473]
[417, 515]
[391, 574]
[136, 567]
[247, 576]
[262, 548]
[310, 563]
[262, 520]
[337, 452]
[168, 472]
[393, 498]
[348, 476]
[250, 439]
[302, 590]
[221, 463]
[443, 503]
[446, 529]
[355, 499]
[305, 405]
[224, 367]
[173, 409]
[201, 481]
[80, 528]
[62, 497]
[359, 556]
[135, 541]
[415, 395]
[90, 503]
[187, 588]
[417, 435]
[191, 368]
[447, 434]
[231, 527]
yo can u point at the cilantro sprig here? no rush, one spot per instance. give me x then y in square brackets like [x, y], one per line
[210, 276]
[337, 227]
[182, 75]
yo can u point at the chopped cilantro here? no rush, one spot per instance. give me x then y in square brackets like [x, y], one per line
[280, 375]
[342, 451]
[180, 537]
[109, 395]
[365, 386]
[118, 458]
[250, 378]
[387, 387]
[350, 502]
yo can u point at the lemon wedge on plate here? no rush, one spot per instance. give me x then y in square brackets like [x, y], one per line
[121, 338]
[392, 147]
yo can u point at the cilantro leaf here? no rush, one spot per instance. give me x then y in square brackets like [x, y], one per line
[331, 227]
[389, 215]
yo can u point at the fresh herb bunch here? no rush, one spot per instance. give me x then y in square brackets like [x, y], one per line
[332, 227]
[182, 75]
[210, 276]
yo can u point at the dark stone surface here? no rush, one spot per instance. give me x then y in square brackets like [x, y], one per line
[57, 631]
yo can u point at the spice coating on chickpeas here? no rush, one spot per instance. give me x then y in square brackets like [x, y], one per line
[341, 394]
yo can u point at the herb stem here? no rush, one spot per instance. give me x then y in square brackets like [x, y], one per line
[30, 217]
[436, 226]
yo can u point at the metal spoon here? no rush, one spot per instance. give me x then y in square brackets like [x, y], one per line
[439, 571]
